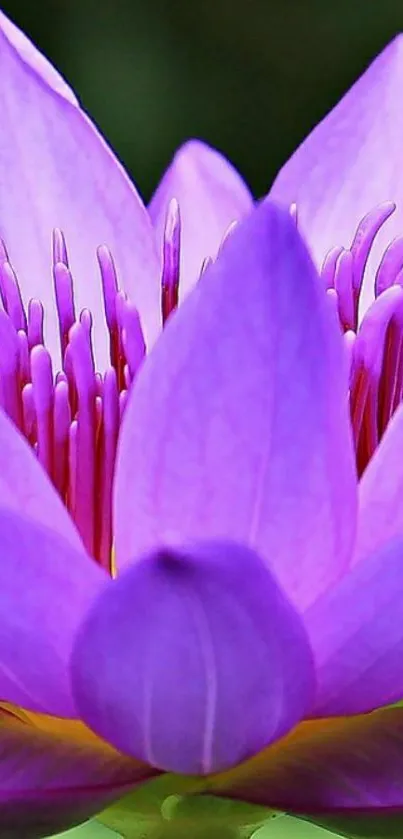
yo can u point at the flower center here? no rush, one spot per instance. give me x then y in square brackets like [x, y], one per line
[72, 419]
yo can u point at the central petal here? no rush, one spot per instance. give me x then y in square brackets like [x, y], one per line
[195, 687]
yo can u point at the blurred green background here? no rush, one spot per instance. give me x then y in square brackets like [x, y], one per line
[250, 77]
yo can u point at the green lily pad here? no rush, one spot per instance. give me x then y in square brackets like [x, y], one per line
[291, 827]
[90, 830]
[172, 807]
[144, 803]
[169, 807]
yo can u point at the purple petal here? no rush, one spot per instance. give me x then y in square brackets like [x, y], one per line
[46, 585]
[357, 636]
[60, 173]
[55, 774]
[351, 162]
[380, 495]
[193, 659]
[211, 196]
[333, 764]
[237, 425]
[26, 488]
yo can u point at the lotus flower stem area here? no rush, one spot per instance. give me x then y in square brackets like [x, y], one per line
[201, 474]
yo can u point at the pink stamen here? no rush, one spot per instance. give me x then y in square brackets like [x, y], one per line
[110, 290]
[86, 322]
[349, 341]
[369, 436]
[171, 261]
[10, 394]
[120, 304]
[372, 394]
[374, 346]
[329, 267]
[11, 295]
[390, 266]
[109, 430]
[59, 248]
[343, 283]
[364, 239]
[390, 395]
[73, 470]
[63, 285]
[69, 373]
[133, 339]
[24, 360]
[35, 323]
[109, 284]
[84, 375]
[61, 424]
[29, 415]
[43, 395]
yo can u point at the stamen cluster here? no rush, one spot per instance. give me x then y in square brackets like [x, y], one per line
[72, 418]
[376, 344]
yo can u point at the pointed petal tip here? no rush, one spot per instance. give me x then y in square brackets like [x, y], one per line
[274, 213]
[213, 164]
[56, 142]
[34, 59]
[350, 164]
[199, 150]
[211, 195]
[394, 45]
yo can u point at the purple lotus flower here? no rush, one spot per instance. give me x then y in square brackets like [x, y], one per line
[254, 618]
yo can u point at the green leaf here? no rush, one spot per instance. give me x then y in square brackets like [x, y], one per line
[291, 827]
[170, 808]
[144, 803]
[90, 830]
[205, 815]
